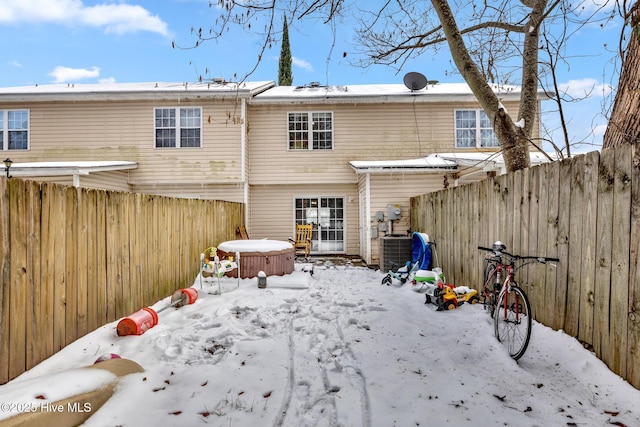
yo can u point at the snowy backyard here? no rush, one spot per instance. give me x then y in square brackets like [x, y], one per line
[335, 348]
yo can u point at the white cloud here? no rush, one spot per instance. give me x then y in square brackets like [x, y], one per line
[301, 63]
[591, 6]
[123, 18]
[585, 88]
[108, 80]
[15, 63]
[113, 17]
[599, 130]
[66, 74]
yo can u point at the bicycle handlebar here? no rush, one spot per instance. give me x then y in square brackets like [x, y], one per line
[540, 259]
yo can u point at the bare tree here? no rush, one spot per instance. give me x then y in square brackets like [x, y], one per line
[624, 124]
[498, 44]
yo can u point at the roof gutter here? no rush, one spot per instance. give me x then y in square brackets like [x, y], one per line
[404, 170]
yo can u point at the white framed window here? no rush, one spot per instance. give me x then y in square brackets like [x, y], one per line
[474, 130]
[14, 125]
[310, 130]
[178, 127]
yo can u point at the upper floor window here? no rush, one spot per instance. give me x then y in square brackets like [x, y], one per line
[178, 127]
[474, 130]
[14, 125]
[314, 127]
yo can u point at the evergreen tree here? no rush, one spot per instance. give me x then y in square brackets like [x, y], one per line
[285, 76]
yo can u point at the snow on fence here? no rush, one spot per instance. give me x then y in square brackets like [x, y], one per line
[72, 260]
[585, 211]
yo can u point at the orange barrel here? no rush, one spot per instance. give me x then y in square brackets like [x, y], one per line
[138, 323]
[191, 293]
[182, 297]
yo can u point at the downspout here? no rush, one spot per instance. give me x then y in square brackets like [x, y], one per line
[243, 159]
[367, 192]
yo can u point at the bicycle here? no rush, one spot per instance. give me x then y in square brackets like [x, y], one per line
[506, 302]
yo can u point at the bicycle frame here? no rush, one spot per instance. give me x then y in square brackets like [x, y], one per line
[508, 303]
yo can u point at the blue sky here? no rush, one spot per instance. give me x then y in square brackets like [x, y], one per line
[86, 41]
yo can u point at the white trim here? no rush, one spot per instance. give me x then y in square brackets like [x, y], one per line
[145, 91]
[68, 168]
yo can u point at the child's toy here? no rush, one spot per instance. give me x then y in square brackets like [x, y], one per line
[448, 297]
[421, 258]
[427, 281]
[146, 318]
[212, 266]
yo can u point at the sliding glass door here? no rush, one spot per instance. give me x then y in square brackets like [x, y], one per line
[327, 216]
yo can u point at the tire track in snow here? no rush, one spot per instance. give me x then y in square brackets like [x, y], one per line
[287, 398]
[342, 380]
[357, 378]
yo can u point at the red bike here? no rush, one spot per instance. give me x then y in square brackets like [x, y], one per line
[505, 300]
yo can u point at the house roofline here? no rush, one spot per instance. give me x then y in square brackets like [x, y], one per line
[63, 168]
[383, 93]
[133, 91]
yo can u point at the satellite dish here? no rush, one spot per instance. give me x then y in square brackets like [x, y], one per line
[415, 81]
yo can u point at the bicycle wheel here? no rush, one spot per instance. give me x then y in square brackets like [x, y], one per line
[512, 321]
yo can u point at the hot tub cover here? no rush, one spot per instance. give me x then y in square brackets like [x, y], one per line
[254, 245]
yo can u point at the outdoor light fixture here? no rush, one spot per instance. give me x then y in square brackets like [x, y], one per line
[7, 165]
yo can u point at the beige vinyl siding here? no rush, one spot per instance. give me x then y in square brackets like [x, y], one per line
[104, 180]
[361, 132]
[230, 193]
[271, 213]
[117, 130]
[107, 180]
[398, 188]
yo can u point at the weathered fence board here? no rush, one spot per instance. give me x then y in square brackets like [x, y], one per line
[589, 230]
[620, 258]
[72, 260]
[574, 261]
[537, 286]
[550, 305]
[35, 316]
[633, 347]
[604, 241]
[562, 239]
[71, 274]
[18, 308]
[586, 212]
[5, 284]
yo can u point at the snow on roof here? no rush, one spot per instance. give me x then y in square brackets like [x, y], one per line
[263, 92]
[133, 90]
[61, 168]
[487, 161]
[432, 162]
[493, 161]
[389, 92]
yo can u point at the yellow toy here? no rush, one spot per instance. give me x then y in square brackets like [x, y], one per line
[448, 297]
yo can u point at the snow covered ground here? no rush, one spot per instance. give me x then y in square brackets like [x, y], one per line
[338, 349]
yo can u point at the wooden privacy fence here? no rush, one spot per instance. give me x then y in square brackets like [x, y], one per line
[585, 211]
[73, 260]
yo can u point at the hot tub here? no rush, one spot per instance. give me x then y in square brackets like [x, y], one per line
[274, 257]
